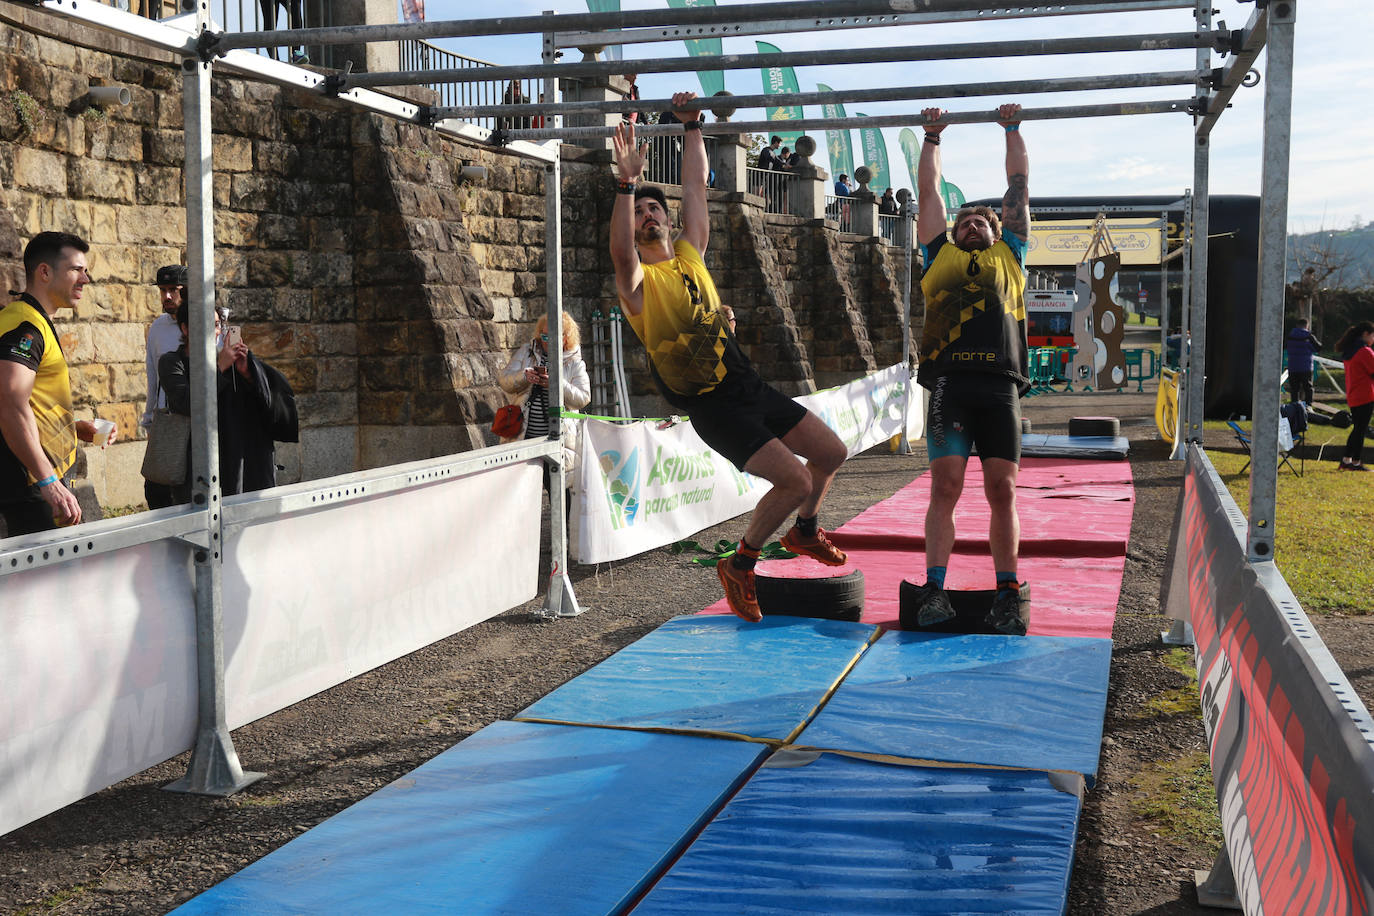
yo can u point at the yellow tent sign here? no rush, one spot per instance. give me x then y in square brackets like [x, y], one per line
[1062, 243]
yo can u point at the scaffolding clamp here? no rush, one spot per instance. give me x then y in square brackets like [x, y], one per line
[499, 137]
[207, 43]
[335, 83]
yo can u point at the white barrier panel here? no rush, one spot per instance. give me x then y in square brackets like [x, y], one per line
[97, 675]
[641, 487]
[312, 600]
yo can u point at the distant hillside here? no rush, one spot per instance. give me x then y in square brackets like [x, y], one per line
[1351, 251]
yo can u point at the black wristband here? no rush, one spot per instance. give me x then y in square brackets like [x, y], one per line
[624, 187]
[691, 125]
[933, 139]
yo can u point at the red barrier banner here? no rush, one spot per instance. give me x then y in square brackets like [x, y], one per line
[1289, 741]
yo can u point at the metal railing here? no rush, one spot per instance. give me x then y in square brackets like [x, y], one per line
[420, 55]
[246, 16]
[665, 160]
[841, 210]
[772, 186]
[888, 227]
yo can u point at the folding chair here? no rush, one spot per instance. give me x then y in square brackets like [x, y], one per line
[1243, 438]
[1296, 414]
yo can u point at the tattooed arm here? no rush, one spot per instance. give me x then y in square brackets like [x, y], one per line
[1016, 202]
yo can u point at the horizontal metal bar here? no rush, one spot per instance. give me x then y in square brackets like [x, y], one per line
[1253, 39]
[839, 96]
[731, 128]
[63, 545]
[173, 34]
[267, 69]
[902, 54]
[572, 22]
[830, 23]
[318, 494]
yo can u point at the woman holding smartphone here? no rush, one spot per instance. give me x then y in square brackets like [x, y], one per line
[247, 455]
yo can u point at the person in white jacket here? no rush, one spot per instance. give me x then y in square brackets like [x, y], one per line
[526, 380]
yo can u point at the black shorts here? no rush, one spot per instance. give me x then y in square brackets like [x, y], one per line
[739, 416]
[968, 409]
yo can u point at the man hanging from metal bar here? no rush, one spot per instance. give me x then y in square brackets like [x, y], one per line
[973, 358]
[671, 302]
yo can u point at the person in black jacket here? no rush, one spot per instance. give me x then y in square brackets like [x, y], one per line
[247, 456]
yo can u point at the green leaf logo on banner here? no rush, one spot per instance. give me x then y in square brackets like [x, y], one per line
[875, 157]
[837, 141]
[777, 80]
[712, 81]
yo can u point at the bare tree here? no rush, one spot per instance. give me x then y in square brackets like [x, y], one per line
[1323, 267]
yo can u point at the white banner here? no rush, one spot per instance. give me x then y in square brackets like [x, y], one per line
[641, 487]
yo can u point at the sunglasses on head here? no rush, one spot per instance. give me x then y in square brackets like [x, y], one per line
[544, 337]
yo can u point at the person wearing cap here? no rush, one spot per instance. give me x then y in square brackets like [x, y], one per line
[671, 303]
[38, 432]
[163, 337]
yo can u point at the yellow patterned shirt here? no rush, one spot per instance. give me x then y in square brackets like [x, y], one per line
[975, 311]
[690, 346]
[27, 337]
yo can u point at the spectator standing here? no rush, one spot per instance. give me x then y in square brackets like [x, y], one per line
[1301, 346]
[526, 377]
[887, 206]
[514, 95]
[786, 159]
[37, 430]
[974, 362]
[164, 336]
[248, 411]
[768, 156]
[294, 19]
[1355, 349]
[842, 188]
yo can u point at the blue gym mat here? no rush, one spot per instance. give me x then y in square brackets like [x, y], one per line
[1040, 445]
[713, 674]
[518, 819]
[1034, 701]
[840, 836]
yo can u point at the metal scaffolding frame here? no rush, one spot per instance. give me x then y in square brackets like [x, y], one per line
[215, 768]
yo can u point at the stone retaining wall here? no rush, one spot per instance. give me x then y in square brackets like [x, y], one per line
[388, 292]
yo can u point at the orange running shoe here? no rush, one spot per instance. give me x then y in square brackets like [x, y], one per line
[817, 548]
[739, 590]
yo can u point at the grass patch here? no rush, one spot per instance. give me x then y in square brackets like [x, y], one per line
[55, 901]
[1178, 700]
[258, 801]
[1321, 532]
[1177, 797]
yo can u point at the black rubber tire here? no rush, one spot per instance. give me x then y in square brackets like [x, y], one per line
[1095, 426]
[831, 598]
[1341, 419]
[1025, 425]
[970, 610]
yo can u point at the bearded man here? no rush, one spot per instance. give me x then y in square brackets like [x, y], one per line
[973, 359]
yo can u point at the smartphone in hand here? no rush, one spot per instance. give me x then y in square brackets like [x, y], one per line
[233, 336]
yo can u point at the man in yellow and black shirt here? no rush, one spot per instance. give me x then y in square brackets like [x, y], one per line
[671, 303]
[37, 430]
[973, 358]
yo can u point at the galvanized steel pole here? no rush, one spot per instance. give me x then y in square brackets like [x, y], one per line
[841, 96]
[1176, 41]
[622, 19]
[734, 128]
[1273, 256]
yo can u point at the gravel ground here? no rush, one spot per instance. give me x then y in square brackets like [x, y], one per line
[136, 849]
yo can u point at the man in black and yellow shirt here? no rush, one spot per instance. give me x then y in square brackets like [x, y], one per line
[671, 302]
[37, 430]
[973, 358]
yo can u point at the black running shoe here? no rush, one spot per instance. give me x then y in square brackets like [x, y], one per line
[1005, 616]
[933, 604]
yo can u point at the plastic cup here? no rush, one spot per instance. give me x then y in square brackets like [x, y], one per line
[103, 428]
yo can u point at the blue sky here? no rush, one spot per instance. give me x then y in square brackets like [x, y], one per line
[1330, 174]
